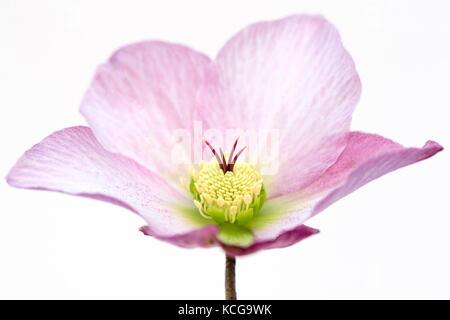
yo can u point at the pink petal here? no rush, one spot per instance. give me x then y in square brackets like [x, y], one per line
[384, 158]
[285, 239]
[366, 157]
[72, 161]
[292, 75]
[139, 98]
[204, 237]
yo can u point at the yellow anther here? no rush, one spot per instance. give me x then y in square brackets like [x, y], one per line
[233, 213]
[198, 204]
[200, 209]
[237, 202]
[191, 169]
[220, 202]
[247, 199]
[257, 188]
[182, 183]
[194, 174]
[207, 198]
[230, 193]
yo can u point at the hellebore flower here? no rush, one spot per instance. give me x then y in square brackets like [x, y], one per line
[291, 76]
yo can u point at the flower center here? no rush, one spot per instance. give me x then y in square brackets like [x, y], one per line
[232, 192]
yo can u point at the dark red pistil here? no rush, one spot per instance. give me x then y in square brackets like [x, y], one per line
[221, 158]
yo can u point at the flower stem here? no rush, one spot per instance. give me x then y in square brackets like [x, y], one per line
[230, 278]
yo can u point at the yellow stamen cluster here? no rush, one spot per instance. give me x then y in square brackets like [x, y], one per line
[226, 196]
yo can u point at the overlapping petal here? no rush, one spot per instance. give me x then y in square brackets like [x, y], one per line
[291, 77]
[72, 161]
[285, 239]
[202, 237]
[141, 97]
[365, 158]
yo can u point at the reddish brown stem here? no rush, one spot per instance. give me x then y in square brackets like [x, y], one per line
[230, 278]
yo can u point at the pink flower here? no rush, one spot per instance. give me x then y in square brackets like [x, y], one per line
[291, 76]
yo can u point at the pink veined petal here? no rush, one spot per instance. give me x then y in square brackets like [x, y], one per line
[285, 239]
[72, 161]
[365, 158]
[141, 98]
[204, 237]
[291, 76]
[375, 168]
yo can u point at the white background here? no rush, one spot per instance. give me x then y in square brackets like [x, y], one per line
[389, 239]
